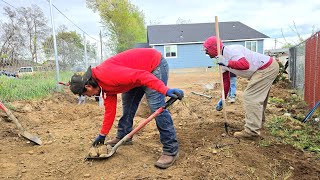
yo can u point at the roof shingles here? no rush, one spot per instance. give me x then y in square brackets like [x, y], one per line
[196, 33]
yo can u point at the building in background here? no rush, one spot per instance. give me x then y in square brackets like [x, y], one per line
[281, 55]
[181, 44]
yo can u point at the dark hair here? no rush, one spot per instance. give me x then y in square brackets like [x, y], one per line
[91, 82]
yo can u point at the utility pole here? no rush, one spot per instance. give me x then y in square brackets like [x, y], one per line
[55, 46]
[101, 60]
[85, 51]
[275, 43]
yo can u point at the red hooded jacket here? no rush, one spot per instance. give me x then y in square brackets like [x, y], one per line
[122, 72]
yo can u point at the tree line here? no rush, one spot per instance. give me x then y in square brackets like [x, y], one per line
[25, 36]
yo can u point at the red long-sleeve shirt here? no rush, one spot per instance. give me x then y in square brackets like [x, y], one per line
[122, 72]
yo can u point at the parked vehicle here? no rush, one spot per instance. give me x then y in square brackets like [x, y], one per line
[8, 73]
[25, 71]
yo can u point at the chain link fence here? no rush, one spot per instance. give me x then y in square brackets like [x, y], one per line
[296, 66]
[304, 65]
[26, 40]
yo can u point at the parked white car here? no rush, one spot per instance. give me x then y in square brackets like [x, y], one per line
[25, 71]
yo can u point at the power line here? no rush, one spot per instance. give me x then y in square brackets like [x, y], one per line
[60, 13]
[70, 21]
[8, 4]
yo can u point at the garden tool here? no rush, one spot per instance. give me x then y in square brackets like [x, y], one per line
[22, 131]
[220, 71]
[311, 112]
[63, 83]
[134, 131]
[200, 94]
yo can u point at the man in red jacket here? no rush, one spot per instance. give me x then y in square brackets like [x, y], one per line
[133, 73]
[259, 68]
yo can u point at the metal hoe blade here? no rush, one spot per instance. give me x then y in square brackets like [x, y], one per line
[31, 137]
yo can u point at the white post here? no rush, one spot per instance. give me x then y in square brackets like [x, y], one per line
[55, 46]
[101, 57]
[85, 51]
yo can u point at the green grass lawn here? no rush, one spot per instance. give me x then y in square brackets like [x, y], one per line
[35, 86]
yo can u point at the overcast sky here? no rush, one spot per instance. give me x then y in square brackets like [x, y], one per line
[271, 17]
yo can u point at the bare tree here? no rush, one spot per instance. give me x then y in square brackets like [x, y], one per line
[11, 39]
[34, 26]
[21, 35]
[183, 21]
[300, 38]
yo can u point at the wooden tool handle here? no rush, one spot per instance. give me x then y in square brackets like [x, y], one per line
[12, 117]
[220, 70]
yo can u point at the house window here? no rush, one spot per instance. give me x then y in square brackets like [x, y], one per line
[252, 45]
[170, 51]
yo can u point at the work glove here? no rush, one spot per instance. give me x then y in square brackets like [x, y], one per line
[221, 60]
[99, 140]
[175, 93]
[219, 106]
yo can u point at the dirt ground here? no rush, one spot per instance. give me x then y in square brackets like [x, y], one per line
[67, 131]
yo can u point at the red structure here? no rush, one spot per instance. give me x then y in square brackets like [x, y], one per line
[312, 70]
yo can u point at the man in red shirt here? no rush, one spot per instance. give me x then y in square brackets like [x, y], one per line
[259, 68]
[134, 73]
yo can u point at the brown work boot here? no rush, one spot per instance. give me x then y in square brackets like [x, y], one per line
[114, 141]
[166, 161]
[246, 135]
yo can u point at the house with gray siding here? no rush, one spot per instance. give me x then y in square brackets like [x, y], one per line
[181, 44]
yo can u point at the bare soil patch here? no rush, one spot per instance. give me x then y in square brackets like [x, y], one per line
[67, 130]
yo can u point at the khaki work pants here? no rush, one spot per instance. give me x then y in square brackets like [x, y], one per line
[255, 97]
